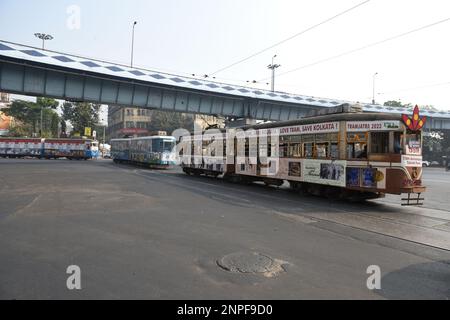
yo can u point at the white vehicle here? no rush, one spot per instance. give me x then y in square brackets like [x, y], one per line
[426, 163]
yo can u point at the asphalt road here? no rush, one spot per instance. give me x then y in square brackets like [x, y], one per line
[138, 233]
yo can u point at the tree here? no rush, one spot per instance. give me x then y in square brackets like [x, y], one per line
[63, 126]
[28, 116]
[81, 115]
[397, 104]
[54, 125]
[170, 121]
[47, 103]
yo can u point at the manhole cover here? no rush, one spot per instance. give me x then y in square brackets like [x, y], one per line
[247, 262]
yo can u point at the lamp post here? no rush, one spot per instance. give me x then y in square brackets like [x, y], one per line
[40, 133]
[373, 97]
[104, 137]
[273, 67]
[132, 43]
[44, 37]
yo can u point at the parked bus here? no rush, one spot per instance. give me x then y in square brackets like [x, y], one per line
[345, 154]
[155, 152]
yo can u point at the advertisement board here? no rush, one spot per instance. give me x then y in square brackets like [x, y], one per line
[412, 161]
[353, 177]
[326, 127]
[363, 126]
[5, 123]
[324, 172]
[369, 178]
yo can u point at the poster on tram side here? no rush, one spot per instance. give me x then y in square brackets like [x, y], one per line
[326, 172]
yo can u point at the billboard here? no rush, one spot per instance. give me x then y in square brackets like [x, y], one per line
[326, 172]
[5, 124]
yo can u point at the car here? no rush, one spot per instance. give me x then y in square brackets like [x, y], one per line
[107, 155]
[426, 163]
[435, 164]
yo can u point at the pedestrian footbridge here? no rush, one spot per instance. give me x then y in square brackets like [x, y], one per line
[37, 72]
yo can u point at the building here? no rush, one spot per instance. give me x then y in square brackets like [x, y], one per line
[135, 122]
[128, 122]
[5, 121]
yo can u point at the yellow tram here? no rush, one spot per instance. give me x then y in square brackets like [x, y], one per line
[345, 153]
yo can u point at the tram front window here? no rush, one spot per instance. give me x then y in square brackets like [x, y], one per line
[398, 148]
[413, 144]
[168, 146]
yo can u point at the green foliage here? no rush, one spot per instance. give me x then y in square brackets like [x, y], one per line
[397, 104]
[47, 103]
[24, 111]
[63, 127]
[28, 117]
[436, 146]
[20, 131]
[393, 103]
[170, 121]
[54, 125]
[81, 115]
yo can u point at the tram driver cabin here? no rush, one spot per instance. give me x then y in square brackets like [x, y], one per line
[345, 153]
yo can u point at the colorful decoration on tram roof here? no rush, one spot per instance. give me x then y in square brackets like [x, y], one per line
[417, 122]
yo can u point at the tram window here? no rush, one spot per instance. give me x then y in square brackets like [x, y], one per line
[321, 150]
[157, 145]
[247, 148]
[361, 150]
[334, 151]
[356, 137]
[379, 142]
[283, 150]
[357, 150]
[295, 150]
[309, 148]
[168, 146]
[357, 145]
[398, 147]
[308, 138]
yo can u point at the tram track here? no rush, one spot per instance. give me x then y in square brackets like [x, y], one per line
[380, 218]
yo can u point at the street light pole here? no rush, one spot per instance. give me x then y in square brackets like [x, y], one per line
[40, 133]
[373, 99]
[273, 67]
[104, 138]
[44, 37]
[132, 44]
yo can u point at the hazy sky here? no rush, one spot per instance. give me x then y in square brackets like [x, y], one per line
[202, 36]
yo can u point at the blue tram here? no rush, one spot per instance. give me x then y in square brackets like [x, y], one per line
[155, 151]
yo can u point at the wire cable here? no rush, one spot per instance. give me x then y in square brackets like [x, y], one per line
[290, 38]
[361, 48]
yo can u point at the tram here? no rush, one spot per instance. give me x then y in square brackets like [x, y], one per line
[47, 148]
[345, 153]
[155, 152]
